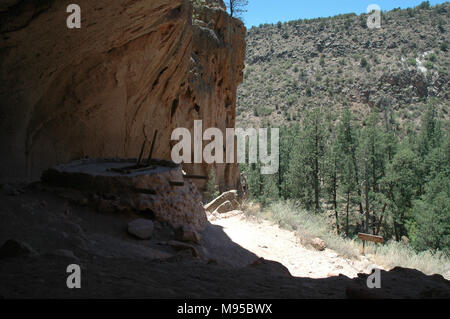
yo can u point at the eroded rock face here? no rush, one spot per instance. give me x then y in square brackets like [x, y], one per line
[98, 91]
[217, 62]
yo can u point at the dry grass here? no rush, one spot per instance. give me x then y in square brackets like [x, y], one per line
[308, 226]
[394, 254]
[252, 210]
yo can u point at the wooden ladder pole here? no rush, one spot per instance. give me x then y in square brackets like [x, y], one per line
[140, 154]
[151, 149]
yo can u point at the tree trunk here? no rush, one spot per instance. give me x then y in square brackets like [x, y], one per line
[396, 230]
[366, 194]
[381, 219]
[346, 223]
[336, 214]
[335, 197]
[361, 210]
[316, 185]
[316, 167]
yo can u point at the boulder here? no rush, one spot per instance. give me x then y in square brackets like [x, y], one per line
[187, 234]
[141, 228]
[318, 244]
[405, 240]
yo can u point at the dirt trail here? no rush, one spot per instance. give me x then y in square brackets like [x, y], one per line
[273, 243]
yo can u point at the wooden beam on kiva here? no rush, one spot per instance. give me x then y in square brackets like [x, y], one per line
[175, 183]
[195, 177]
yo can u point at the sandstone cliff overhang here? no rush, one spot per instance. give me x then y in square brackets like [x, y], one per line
[98, 91]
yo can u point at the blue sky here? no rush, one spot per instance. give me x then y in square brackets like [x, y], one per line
[272, 11]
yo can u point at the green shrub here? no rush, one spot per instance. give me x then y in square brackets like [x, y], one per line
[291, 99]
[212, 190]
[363, 62]
[429, 65]
[322, 61]
[263, 111]
[363, 21]
[412, 62]
[432, 57]
[424, 5]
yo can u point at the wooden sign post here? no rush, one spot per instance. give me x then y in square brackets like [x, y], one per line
[368, 237]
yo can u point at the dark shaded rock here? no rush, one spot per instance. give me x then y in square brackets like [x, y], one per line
[64, 253]
[141, 228]
[187, 234]
[270, 267]
[14, 248]
[179, 246]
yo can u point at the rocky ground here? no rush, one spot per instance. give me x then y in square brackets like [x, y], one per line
[48, 233]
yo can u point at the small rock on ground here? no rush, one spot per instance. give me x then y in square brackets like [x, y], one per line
[188, 234]
[318, 244]
[141, 228]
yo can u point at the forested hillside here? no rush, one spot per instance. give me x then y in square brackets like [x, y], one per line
[363, 117]
[339, 63]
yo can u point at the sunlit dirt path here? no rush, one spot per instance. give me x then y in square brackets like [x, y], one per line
[273, 243]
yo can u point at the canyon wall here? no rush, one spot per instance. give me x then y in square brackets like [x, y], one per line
[134, 66]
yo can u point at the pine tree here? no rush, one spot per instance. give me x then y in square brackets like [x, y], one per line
[212, 189]
[270, 191]
[288, 137]
[373, 162]
[330, 168]
[348, 167]
[304, 172]
[431, 227]
[402, 183]
[254, 178]
[297, 183]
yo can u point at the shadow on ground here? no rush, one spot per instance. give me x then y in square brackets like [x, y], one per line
[55, 233]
